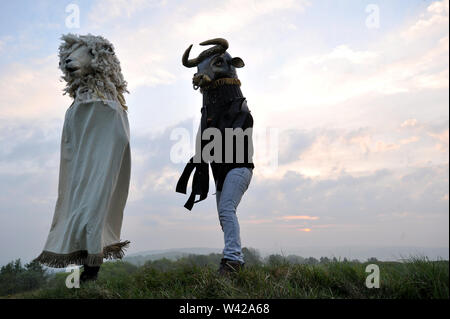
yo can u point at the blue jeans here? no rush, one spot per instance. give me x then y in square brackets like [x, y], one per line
[235, 184]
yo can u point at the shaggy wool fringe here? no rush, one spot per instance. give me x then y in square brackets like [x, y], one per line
[219, 82]
[106, 73]
[81, 257]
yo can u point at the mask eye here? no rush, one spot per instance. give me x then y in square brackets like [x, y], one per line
[218, 63]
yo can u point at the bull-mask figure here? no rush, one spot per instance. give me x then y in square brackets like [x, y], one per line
[224, 110]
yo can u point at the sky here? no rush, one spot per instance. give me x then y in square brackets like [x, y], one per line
[350, 101]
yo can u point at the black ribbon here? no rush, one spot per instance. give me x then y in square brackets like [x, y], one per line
[200, 182]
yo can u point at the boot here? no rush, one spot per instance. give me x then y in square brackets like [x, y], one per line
[89, 273]
[228, 266]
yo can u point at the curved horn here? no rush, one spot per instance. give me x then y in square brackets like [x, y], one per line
[219, 41]
[221, 45]
[189, 63]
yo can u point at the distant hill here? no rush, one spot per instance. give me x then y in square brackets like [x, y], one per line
[385, 253]
[140, 258]
[351, 252]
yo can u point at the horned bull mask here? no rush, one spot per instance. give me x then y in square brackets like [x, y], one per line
[212, 64]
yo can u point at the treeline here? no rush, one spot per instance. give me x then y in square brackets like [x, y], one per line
[15, 278]
[252, 258]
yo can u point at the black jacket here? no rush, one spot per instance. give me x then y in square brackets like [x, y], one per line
[224, 107]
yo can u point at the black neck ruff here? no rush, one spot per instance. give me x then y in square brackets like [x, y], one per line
[221, 95]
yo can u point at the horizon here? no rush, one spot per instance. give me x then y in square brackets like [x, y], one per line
[360, 253]
[264, 254]
[356, 252]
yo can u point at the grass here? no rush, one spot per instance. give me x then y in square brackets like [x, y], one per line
[415, 278]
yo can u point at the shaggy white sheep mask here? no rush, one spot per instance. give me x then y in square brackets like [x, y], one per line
[89, 63]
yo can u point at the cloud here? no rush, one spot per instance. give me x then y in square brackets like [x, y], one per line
[147, 56]
[155, 215]
[233, 15]
[409, 123]
[358, 151]
[299, 217]
[442, 137]
[435, 19]
[381, 146]
[4, 40]
[105, 11]
[392, 64]
[343, 52]
[412, 139]
[29, 147]
[292, 143]
[323, 153]
[32, 90]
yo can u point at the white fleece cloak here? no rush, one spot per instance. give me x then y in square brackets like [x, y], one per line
[93, 185]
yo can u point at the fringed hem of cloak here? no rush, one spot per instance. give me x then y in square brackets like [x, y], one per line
[81, 257]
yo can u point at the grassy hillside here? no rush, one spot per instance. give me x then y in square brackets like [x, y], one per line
[415, 278]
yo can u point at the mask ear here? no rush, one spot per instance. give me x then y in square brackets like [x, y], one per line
[237, 62]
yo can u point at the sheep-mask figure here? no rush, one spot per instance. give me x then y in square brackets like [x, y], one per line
[89, 64]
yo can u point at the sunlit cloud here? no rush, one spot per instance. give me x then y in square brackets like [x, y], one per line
[256, 221]
[304, 217]
[216, 18]
[105, 11]
[436, 18]
[32, 90]
[411, 139]
[443, 136]
[409, 123]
